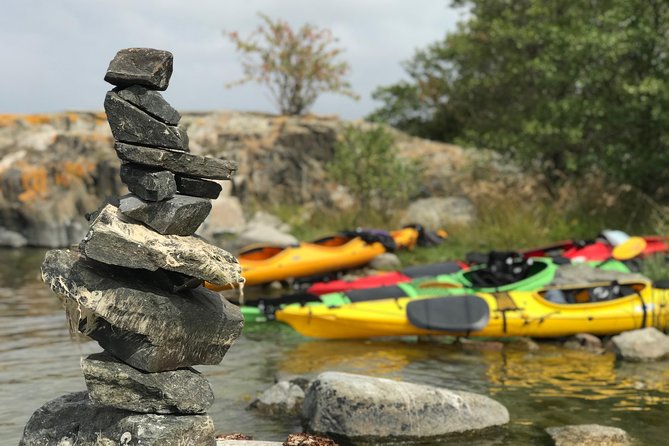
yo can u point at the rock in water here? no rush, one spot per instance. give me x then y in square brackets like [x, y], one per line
[116, 242]
[355, 406]
[148, 184]
[132, 125]
[132, 315]
[75, 419]
[143, 66]
[113, 383]
[151, 102]
[198, 187]
[589, 435]
[646, 344]
[180, 215]
[177, 162]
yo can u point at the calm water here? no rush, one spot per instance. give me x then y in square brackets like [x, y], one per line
[553, 386]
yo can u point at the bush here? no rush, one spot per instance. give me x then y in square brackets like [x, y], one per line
[366, 162]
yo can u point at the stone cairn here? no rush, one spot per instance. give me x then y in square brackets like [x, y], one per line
[134, 284]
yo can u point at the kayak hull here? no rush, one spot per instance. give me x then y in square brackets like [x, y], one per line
[514, 313]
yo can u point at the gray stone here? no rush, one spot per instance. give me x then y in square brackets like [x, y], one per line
[198, 187]
[386, 262]
[179, 215]
[132, 315]
[148, 184]
[363, 407]
[151, 102]
[130, 124]
[12, 239]
[116, 242]
[247, 443]
[283, 398]
[177, 162]
[586, 342]
[440, 212]
[144, 66]
[260, 233]
[111, 382]
[647, 344]
[589, 435]
[74, 419]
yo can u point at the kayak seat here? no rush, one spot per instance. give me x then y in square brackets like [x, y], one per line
[450, 313]
[378, 293]
[431, 270]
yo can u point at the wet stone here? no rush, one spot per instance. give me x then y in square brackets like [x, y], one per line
[151, 102]
[130, 124]
[144, 66]
[116, 242]
[179, 215]
[74, 419]
[177, 161]
[148, 184]
[197, 187]
[113, 383]
[132, 315]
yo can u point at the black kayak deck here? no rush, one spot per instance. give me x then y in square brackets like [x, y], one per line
[459, 314]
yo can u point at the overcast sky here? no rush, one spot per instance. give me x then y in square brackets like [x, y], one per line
[55, 53]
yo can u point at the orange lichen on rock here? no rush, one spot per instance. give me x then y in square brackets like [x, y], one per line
[8, 120]
[67, 171]
[34, 182]
[36, 119]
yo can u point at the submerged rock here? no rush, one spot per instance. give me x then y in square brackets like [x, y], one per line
[144, 66]
[148, 184]
[179, 215]
[646, 344]
[283, 398]
[132, 315]
[75, 419]
[354, 406]
[130, 124]
[589, 435]
[177, 162]
[113, 241]
[151, 102]
[111, 382]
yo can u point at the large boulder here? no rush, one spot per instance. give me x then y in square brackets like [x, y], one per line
[589, 435]
[116, 242]
[646, 344]
[111, 382]
[440, 212]
[355, 406]
[76, 420]
[134, 315]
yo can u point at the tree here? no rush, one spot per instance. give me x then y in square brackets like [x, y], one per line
[367, 163]
[296, 66]
[569, 87]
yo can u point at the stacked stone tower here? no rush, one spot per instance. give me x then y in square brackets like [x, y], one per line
[134, 284]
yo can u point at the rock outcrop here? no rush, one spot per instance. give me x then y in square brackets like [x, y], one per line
[362, 407]
[55, 168]
[134, 284]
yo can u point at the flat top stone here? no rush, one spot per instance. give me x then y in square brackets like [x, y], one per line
[144, 66]
[177, 161]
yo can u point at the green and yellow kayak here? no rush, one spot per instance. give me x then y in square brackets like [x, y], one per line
[602, 309]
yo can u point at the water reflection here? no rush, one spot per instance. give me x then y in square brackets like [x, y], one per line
[552, 386]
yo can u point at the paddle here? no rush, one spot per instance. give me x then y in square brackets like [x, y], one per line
[627, 250]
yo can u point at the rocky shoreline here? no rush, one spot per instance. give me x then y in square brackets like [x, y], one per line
[56, 168]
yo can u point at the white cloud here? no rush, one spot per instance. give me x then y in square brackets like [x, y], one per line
[54, 54]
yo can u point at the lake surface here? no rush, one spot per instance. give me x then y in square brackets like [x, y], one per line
[553, 386]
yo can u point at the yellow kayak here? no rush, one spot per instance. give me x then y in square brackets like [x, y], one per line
[601, 309]
[263, 264]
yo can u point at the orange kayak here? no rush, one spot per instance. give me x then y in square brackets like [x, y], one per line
[266, 263]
